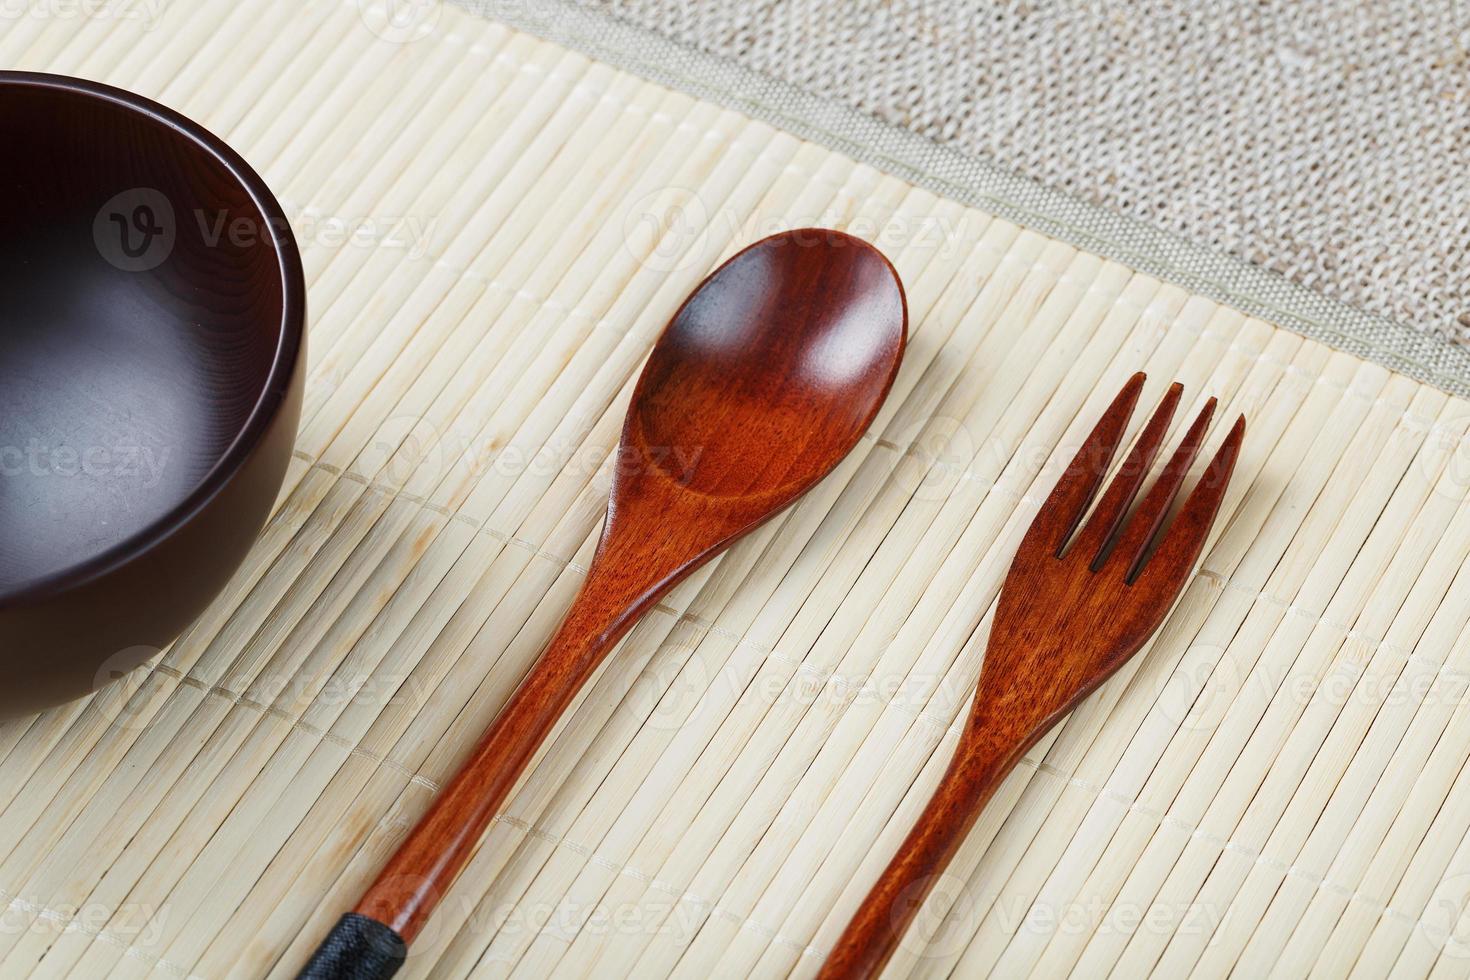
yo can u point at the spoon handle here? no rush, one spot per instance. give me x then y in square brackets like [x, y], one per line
[371, 943]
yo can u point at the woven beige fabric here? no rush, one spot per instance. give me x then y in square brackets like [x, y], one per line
[1325, 141]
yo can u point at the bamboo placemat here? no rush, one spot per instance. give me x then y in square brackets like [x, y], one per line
[494, 229]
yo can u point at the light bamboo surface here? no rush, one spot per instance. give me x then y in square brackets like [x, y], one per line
[494, 231]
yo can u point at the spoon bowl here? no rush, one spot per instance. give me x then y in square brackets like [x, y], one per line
[742, 398]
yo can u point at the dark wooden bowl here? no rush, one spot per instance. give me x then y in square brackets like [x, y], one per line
[152, 321]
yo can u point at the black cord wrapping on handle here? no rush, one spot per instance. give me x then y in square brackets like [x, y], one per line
[357, 948]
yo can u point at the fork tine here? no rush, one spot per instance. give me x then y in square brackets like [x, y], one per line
[1134, 540]
[1098, 532]
[1063, 509]
[1170, 564]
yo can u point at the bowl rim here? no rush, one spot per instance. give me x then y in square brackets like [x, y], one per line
[278, 382]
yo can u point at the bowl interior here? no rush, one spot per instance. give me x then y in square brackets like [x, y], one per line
[140, 316]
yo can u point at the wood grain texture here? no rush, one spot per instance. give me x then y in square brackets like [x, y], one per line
[762, 382]
[1075, 606]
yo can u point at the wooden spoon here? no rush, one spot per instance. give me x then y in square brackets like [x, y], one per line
[763, 381]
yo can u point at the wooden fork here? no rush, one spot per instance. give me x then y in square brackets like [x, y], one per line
[1068, 617]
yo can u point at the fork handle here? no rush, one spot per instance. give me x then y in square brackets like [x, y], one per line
[874, 932]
